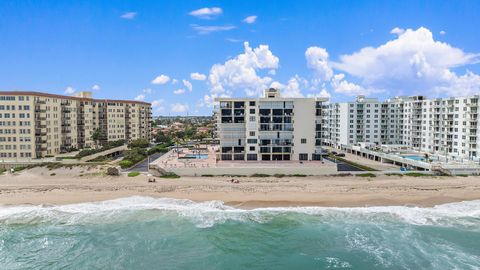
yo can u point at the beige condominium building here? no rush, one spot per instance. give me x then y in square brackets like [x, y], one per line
[270, 128]
[36, 125]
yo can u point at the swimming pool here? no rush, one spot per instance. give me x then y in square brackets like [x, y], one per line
[419, 158]
[197, 156]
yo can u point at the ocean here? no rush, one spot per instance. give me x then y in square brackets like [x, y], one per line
[162, 233]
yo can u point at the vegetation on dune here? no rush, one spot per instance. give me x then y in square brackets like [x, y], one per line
[107, 146]
[133, 174]
[170, 176]
[366, 175]
[417, 174]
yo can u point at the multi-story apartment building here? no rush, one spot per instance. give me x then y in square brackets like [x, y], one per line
[443, 126]
[35, 125]
[353, 122]
[270, 128]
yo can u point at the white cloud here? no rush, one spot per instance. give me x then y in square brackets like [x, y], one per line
[240, 73]
[147, 90]
[342, 86]
[174, 81]
[317, 60]
[129, 15]
[207, 29]
[442, 32]
[292, 88]
[397, 31]
[206, 13]
[96, 87]
[69, 90]
[162, 79]
[157, 106]
[188, 85]
[234, 40]
[250, 19]
[140, 97]
[179, 91]
[198, 76]
[178, 108]
[413, 62]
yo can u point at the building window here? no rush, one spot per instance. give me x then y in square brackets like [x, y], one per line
[252, 148]
[303, 156]
[252, 103]
[303, 140]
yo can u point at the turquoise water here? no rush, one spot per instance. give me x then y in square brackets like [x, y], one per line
[197, 156]
[419, 158]
[148, 233]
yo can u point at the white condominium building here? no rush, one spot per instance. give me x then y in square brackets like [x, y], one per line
[444, 126]
[269, 128]
[35, 125]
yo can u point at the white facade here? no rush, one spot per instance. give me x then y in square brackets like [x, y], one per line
[270, 128]
[444, 126]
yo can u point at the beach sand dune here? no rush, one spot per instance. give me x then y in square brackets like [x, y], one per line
[86, 184]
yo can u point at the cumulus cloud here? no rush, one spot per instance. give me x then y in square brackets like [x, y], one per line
[250, 19]
[69, 90]
[293, 88]
[342, 86]
[412, 62]
[198, 76]
[442, 32]
[161, 79]
[178, 108]
[207, 29]
[397, 31]
[240, 72]
[206, 13]
[96, 87]
[140, 97]
[129, 15]
[179, 91]
[188, 85]
[317, 60]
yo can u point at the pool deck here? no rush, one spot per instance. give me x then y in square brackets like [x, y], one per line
[170, 162]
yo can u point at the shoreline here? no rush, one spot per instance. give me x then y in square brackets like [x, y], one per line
[80, 185]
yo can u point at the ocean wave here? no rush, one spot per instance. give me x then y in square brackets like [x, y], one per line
[209, 213]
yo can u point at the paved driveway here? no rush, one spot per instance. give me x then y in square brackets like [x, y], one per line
[143, 166]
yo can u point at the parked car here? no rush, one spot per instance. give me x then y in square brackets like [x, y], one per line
[334, 153]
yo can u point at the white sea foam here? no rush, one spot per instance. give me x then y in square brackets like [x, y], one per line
[206, 214]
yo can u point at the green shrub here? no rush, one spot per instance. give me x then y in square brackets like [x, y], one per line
[207, 175]
[279, 175]
[170, 176]
[19, 168]
[2, 170]
[138, 143]
[260, 175]
[126, 164]
[53, 174]
[298, 175]
[394, 174]
[416, 174]
[133, 174]
[366, 175]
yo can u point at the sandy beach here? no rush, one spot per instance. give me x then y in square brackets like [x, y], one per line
[82, 184]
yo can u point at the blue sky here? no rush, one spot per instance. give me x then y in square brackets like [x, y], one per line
[146, 49]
